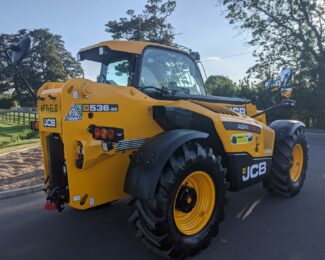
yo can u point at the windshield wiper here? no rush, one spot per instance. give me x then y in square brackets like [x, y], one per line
[182, 90]
[161, 90]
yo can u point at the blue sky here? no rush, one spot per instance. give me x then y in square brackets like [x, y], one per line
[200, 24]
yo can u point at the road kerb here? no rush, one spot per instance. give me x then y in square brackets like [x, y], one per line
[19, 192]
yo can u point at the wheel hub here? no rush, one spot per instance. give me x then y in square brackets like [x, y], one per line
[186, 199]
[194, 203]
[296, 162]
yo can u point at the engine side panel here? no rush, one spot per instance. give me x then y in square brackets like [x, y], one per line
[244, 169]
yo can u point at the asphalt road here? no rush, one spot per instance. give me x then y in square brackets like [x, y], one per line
[258, 225]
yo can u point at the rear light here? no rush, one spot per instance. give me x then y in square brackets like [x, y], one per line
[104, 133]
[108, 134]
[97, 133]
[34, 126]
[111, 134]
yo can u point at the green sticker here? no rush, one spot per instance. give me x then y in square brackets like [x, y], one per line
[242, 138]
[75, 113]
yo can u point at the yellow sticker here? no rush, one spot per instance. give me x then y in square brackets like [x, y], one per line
[242, 138]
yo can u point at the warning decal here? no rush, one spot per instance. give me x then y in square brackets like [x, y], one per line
[75, 113]
[246, 138]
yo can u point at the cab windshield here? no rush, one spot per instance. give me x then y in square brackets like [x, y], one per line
[170, 71]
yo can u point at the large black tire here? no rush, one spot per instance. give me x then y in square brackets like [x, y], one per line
[154, 219]
[280, 181]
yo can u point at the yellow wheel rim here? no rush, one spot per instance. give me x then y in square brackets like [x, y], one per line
[190, 223]
[297, 162]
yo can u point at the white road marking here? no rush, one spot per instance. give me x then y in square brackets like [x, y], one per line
[223, 240]
[252, 207]
[240, 214]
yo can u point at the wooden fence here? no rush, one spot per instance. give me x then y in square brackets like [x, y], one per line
[18, 116]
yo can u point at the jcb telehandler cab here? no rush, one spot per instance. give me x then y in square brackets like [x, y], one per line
[143, 126]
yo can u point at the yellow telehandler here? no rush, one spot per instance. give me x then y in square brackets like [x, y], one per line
[142, 125]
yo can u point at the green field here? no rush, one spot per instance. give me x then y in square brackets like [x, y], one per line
[14, 134]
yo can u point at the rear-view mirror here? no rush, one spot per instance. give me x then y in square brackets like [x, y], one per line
[21, 50]
[285, 76]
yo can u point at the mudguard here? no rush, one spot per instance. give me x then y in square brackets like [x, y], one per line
[148, 162]
[284, 128]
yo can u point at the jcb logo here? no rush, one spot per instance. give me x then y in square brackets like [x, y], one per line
[253, 171]
[49, 122]
[240, 110]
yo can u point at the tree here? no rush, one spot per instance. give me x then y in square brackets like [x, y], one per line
[47, 61]
[219, 85]
[150, 25]
[287, 33]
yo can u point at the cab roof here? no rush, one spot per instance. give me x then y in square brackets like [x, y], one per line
[135, 47]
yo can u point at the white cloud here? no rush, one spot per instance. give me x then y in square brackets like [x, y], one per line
[212, 59]
[234, 68]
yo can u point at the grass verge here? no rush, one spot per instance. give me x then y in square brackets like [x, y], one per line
[13, 134]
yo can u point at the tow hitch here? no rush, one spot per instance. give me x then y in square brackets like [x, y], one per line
[50, 206]
[55, 200]
[56, 185]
